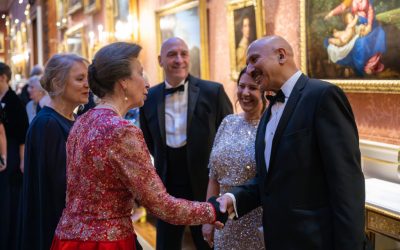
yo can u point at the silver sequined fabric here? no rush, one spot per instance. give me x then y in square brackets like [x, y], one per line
[232, 163]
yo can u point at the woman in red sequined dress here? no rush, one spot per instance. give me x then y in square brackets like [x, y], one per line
[109, 166]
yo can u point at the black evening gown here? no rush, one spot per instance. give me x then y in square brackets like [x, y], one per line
[15, 124]
[44, 185]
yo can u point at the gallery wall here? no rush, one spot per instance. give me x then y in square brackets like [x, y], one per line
[377, 114]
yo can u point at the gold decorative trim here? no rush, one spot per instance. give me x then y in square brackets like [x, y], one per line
[357, 86]
[260, 26]
[182, 5]
[383, 224]
[92, 8]
[382, 212]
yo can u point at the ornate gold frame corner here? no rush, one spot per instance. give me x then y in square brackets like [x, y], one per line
[260, 26]
[91, 8]
[181, 5]
[348, 85]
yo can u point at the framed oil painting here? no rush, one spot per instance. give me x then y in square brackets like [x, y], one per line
[92, 6]
[73, 6]
[353, 43]
[246, 24]
[75, 41]
[187, 20]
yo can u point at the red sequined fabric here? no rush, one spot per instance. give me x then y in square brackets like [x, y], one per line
[108, 166]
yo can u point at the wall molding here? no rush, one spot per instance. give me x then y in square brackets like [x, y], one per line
[380, 160]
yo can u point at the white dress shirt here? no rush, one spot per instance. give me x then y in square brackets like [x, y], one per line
[276, 114]
[176, 105]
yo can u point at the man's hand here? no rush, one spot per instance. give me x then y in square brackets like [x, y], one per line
[208, 234]
[221, 216]
[226, 204]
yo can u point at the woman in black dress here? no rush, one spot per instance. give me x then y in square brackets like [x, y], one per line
[15, 123]
[44, 186]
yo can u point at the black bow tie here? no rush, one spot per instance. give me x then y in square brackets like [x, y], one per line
[173, 90]
[279, 97]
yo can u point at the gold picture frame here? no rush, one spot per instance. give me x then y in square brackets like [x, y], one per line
[73, 6]
[91, 6]
[312, 21]
[61, 6]
[245, 24]
[75, 40]
[2, 42]
[193, 14]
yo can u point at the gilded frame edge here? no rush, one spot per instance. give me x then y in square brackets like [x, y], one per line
[350, 86]
[182, 5]
[79, 28]
[260, 27]
[72, 9]
[93, 8]
[2, 42]
[64, 14]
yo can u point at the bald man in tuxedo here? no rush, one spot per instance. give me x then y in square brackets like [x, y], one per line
[179, 121]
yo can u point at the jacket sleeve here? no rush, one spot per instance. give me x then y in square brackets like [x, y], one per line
[339, 149]
[130, 156]
[247, 196]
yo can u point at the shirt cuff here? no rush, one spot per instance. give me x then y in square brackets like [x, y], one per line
[235, 213]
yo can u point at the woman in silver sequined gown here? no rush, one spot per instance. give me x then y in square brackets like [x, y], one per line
[232, 163]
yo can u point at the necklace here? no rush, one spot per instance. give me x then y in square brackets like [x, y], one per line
[112, 107]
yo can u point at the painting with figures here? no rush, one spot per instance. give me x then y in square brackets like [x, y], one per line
[352, 39]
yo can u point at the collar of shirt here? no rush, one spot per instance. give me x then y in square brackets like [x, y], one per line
[288, 86]
[169, 86]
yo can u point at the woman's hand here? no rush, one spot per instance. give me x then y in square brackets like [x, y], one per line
[208, 234]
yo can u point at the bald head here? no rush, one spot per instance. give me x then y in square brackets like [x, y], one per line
[273, 43]
[171, 42]
[270, 62]
[174, 59]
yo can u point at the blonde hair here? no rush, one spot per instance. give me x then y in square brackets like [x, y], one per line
[56, 72]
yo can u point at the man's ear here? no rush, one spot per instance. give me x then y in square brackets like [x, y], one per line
[282, 55]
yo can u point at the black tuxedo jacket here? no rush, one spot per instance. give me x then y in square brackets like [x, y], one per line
[208, 104]
[313, 193]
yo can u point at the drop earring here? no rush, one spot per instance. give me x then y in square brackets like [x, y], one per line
[125, 98]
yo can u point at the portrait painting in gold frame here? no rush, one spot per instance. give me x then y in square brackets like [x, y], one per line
[187, 20]
[353, 43]
[246, 24]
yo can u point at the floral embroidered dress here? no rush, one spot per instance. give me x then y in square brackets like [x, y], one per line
[108, 167]
[232, 163]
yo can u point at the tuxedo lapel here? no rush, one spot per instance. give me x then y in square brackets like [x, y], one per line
[287, 113]
[193, 94]
[161, 111]
[260, 144]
